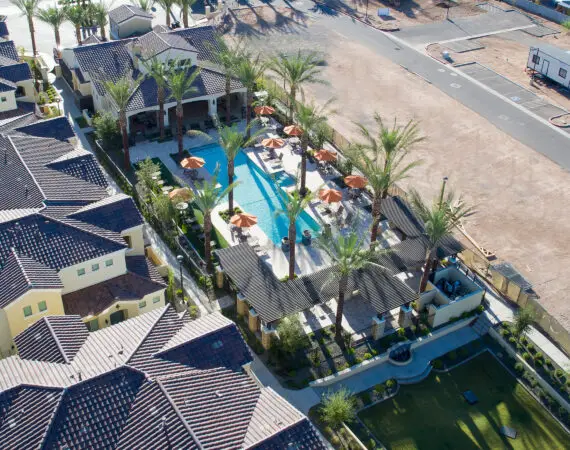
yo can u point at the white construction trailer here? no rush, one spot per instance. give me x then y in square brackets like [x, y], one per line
[552, 62]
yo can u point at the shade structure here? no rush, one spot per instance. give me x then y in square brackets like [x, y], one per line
[325, 155]
[184, 194]
[330, 195]
[273, 143]
[243, 220]
[355, 181]
[264, 110]
[192, 162]
[293, 130]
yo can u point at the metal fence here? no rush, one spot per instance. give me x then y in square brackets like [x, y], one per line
[540, 10]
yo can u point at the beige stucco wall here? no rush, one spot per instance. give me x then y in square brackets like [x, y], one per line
[137, 25]
[137, 240]
[5, 335]
[73, 282]
[29, 89]
[10, 102]
[444, 313]
[15, 310]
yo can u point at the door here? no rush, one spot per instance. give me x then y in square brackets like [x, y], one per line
[117, 317]
[545, 65]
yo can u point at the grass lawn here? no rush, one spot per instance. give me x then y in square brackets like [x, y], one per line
[434, 415]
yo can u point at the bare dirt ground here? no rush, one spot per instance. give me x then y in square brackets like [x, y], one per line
[509, 57]
[408, 12]
[522, 198]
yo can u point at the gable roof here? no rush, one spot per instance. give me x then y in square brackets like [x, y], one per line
[202, 38]
[15, 72]
[57, 128]
[153, 43]
[4, 29]
[21, 274]
[125, 12]
[8, 52]
[52, 339]
[116, 213]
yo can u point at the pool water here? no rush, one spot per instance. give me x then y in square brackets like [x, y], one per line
[257, 193]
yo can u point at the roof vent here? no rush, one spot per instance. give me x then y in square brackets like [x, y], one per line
[152, 410]
[219, 394]
[38, 336]
[12, 423]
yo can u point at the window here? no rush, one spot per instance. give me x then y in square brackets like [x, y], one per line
[128, 241]
[109, 263]
[20, 91]
[562, 73]
[156, 299]
[3, 99]
[42, 306]
[94, 267]
[27, 311]
[93, 325]
[536, 59]
[142, 304]
[80, 272]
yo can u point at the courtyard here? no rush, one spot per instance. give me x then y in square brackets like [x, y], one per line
[434, 415]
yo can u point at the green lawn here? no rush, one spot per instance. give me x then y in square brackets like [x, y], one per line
[434, 415]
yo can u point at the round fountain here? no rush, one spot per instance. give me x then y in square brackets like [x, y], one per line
[401, 355]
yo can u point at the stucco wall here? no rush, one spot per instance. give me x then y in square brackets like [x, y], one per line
[29, 89]
[5, 335]
[137, 240]
[9, 102]
[444, 313]
[136, 25]
[73, 282]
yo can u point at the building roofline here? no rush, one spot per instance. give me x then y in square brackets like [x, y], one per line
[26, 166]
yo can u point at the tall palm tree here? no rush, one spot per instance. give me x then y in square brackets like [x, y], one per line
[310, 118]
[100, 14]
[249, 72]
[185, 8]
[380, 158]
[145, 5]
[120, 92]
[77, 16]
[167, 6]
[229, 59]
[160, 72]
[439, 218]
[54, 17]
[348, 254]
[232, 141]
[180, 81]
[297, 70]
[209, 195]
[295, 204]
[29, 9]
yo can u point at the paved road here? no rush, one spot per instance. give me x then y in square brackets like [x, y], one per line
[513, 120]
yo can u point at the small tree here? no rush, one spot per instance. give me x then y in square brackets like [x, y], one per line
[54, 17]
[145, 170]
[566, 25]
[77, 16]
[338, 407]
[524, 318]
[29, 9]
[291, 334]
[107, 130]
[100, 14]
[164, 209]
[185, 10]
[167, 6]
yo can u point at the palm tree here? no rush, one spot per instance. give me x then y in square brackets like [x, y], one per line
[295, 204]
[120, 92]
[297, 70]
[54, 17]
[76, 15]
[145, 5]
[100, 14]
[439, 218]
[29, 9]
[229, 59]
[310, 118]
[167, 6]
[232, 141]
[207, 197]
[180, 82]
[159, 71]
[249, 72]
[380, 159]
[185, 7]
[348, 254]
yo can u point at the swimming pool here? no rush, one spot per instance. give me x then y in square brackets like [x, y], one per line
[257, 192]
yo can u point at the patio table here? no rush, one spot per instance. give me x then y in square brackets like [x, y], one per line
[294, 140]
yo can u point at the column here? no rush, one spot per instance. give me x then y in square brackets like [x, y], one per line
[219, 277]
[166, 118]
[241, 305]
[378, 325]
[253, 321]
[267, 335]
[405, 316]
[213, 107]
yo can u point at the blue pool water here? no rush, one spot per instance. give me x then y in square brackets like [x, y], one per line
[257, 192]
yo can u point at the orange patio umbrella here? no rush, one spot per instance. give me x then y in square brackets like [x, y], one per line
[330, 195]
[184, 194]
[355, 181]
[325, 155]
[243, 220]
[192, 162]
[293, 130]
[264, 110]
[273, 143]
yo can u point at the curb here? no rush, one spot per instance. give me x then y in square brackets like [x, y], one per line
[368, 24]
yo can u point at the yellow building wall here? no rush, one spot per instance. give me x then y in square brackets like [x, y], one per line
[5, 335]
[136, 237]
[15, 310]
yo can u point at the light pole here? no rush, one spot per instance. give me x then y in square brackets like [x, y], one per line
[366, 15]
[180, 258]
[57, 101]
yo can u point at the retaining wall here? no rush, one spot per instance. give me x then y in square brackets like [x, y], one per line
[540, 10]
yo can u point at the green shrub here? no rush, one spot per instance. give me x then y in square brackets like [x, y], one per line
[505, 332]
[539, 356]
[292, 373]
[548, 362]
[357, 360]
[351, 351]
[425, 331]
[371, 445]
[335, 440]
[462, 352]
[524, 340]
[380, 389]
[225, 214]
[193, 310]
[526, 356]
[107, 130]
[519, 368]
[401, 332]
[391, 383]
[538, 362]
[367, 356]
[452, 355]
[530, 347]
[374, 352]
[559, 373]
[437, 364]
[512, 340]
[480, 309]
[365, 397]
[179, 292]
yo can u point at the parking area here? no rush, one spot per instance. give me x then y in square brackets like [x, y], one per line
[511, 90]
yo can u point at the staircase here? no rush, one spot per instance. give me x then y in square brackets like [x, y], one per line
[482, 325]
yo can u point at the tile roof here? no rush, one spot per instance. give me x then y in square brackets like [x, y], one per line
[203, 39]
[93, 300]
[273, 299]
[153, 43]
[8, 51]
[98, 401]
[143, 267]
[208, 82]
[4, 29]
[92, 39]
[57, 128]
[7, 86]
[126, 12]
[301, 436]
[15, 72]
[117, 213]
[53, 339]
[24, 114]
[21, 274]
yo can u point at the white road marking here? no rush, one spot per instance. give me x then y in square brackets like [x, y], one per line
[455, 85]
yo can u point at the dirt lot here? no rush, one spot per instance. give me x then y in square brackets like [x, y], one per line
[509, 57]
[523, 199]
